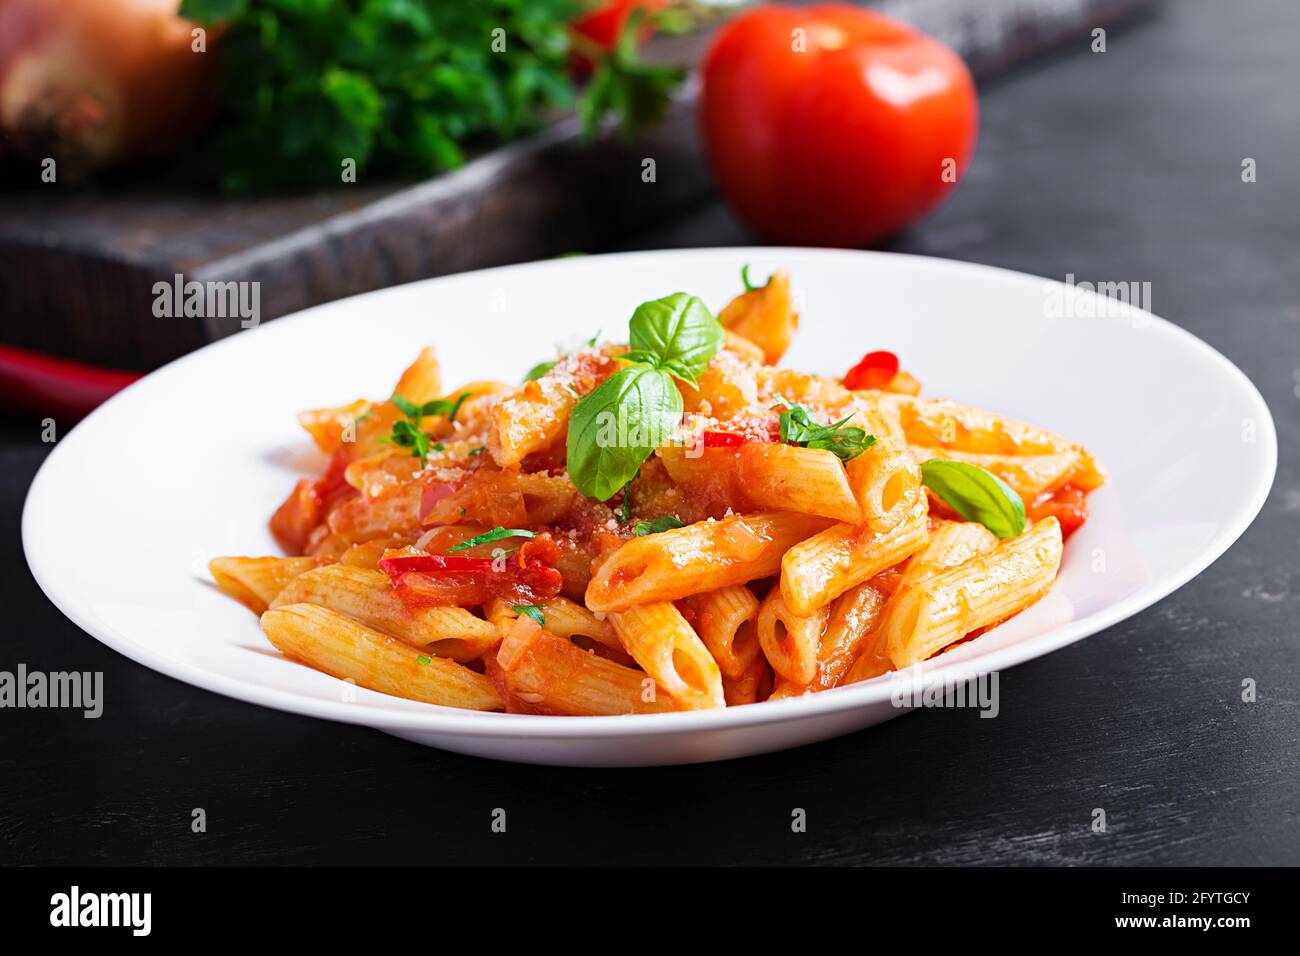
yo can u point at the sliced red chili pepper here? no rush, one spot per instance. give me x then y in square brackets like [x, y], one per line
[397, 563]
[876, 370]
[32, 382]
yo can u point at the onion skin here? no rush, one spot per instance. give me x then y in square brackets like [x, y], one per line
[90, 83]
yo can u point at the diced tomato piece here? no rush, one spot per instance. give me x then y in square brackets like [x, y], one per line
[1068, 504]
[714, 439]
[876, 370]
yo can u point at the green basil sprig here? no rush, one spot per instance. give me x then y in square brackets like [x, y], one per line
[846, 442]
[613, 429]
[976, 495]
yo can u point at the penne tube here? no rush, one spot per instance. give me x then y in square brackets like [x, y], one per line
[790, 478]
[820, 569]
[951, 543]
[1029, 475]
[979, 592]
[952, 426]
[725, 620]
[544, 674]
[790, 641]
[752, 686]
[886, 481]
[669, 650]
[254, 582]
[367, 596]
[343, 648]
[703, 556]
[855, 617]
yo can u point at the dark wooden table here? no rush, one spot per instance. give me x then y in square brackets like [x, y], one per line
[1117, 166]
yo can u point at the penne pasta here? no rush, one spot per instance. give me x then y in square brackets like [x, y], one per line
[540, 673]
[668, 649]
[821, 568]
[703, 556]
[886, 481]
[790, 478]
[342, 648]
[981, 591]
[748, 543]
[254, 582]
[367, 597]
[725, 619]
[790, 641]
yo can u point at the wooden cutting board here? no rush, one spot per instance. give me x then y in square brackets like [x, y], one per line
[78, 265]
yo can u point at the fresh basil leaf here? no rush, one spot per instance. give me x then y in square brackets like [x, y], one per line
[496, 534]
[532, 610]
[800, 428]
[679, 331]
[540, 369]
[614, 428]
[655, 525]
[976, 495]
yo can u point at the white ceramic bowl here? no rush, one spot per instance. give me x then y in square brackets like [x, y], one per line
[189, 462]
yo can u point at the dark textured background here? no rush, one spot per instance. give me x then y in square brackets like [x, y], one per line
[1115, 166]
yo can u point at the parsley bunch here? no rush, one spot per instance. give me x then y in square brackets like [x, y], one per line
[398, 86]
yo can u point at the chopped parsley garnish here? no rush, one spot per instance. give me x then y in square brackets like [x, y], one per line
[496, 534]
[409, 431]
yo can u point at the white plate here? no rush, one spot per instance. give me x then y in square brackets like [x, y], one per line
[189, 463]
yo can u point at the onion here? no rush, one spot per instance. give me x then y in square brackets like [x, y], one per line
[92, 82]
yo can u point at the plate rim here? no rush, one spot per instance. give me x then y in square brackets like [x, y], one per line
[436, 719]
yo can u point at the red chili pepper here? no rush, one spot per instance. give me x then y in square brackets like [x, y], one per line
[31, 382]
[401, 564]
[876, 370]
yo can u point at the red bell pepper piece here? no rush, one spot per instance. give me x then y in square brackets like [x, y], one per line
[876, 370]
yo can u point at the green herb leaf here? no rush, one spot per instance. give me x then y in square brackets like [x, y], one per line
[976, 495]
[532, 610]
[409, 431]
[655, 525]
[799, 428]
[424, 660]
[678, 331]
[540, 369]
[496, 534]
[614, 428]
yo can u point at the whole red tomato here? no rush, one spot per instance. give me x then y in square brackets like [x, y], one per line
[833, 125]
